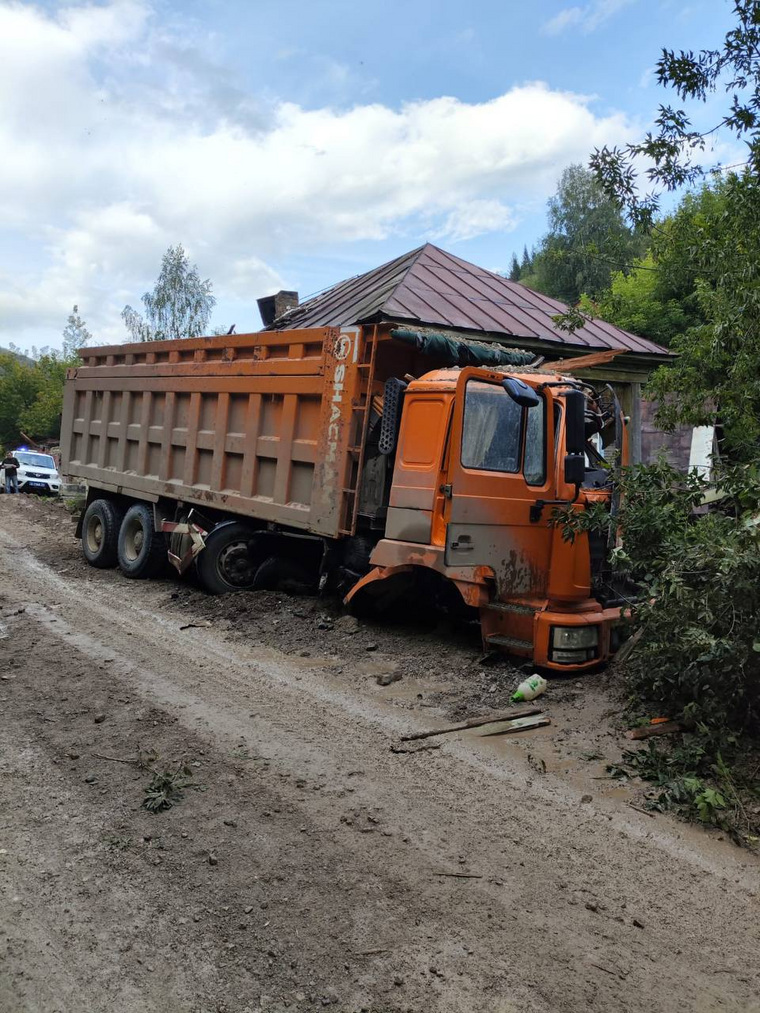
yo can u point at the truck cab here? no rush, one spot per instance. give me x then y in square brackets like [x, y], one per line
[482, 459]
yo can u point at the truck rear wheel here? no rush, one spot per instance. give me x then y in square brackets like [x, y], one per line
[230, 560]
[100, 532]
[141, 549]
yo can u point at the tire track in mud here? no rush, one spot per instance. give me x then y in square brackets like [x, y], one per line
[237, 668]
[532, 840]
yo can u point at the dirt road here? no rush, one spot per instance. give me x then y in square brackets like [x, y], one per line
[312, 867]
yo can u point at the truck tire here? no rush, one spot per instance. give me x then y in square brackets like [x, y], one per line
[100, 532]
[230, 560]
[141, 549]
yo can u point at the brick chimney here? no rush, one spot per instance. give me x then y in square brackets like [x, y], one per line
[271, 307]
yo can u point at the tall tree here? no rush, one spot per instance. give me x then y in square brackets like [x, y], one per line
[514, 269]
[75, 334]
[179, 306]
[588, 239]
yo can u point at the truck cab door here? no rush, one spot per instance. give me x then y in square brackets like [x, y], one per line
[500, 462]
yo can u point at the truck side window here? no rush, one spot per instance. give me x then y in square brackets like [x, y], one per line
[492, 431]
[535, 445]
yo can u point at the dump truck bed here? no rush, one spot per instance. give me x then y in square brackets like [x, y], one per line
[267, 425]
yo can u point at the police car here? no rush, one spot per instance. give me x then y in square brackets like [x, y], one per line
[37, 472]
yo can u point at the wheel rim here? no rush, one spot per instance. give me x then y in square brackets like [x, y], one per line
[134, 537]
[94, 534]
[235, 565]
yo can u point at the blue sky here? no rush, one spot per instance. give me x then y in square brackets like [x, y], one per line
[293, 144]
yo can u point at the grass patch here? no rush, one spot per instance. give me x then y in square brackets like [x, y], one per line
[166, 788]
[692, 779]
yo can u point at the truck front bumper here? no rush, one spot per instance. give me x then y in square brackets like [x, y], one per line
[573, 641]
[564, 639]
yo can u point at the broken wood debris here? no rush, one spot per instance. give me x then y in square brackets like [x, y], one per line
[516, 725]
[459, 875]
[663, 728]
[627, 648]
[523, 712]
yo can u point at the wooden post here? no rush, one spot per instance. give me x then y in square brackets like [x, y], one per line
[634, 430]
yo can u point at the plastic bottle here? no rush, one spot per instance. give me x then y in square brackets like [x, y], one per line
[529, 689]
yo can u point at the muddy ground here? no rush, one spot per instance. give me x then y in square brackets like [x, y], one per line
[309, 866]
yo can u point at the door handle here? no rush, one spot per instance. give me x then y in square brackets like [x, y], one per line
[463, 543]
[446, 490]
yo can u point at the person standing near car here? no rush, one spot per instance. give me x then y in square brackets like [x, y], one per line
[10, 467]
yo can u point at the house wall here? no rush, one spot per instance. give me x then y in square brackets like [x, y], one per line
[675, 445]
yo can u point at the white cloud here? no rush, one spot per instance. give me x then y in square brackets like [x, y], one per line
[588, 17]
[473, 218]
[119, 139]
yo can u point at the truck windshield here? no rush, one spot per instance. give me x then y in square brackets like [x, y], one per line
[492, 433]
[35, 460]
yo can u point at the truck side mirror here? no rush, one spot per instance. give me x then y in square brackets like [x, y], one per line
[575, 422]
[393, 400]
[520, 392]
[575, 468]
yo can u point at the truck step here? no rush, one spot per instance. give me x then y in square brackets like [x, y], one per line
[509, 643]
[507, 606]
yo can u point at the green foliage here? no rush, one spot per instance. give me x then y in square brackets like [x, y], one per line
[711, 246]
[698, 654]
[719, 361]
[692, 779]
[514, 269]
[166, 788]
[640, 302]
[574, 521]
[31, 388]
[42, 418]
[671, 151]
[179, 306]
[31, 398]
[588, 239]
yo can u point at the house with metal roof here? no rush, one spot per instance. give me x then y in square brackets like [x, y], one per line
[429, 288]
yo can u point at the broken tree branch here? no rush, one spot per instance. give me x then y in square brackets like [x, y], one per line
[523, 712]
[638, 809]
[458, 875]
[119, 759]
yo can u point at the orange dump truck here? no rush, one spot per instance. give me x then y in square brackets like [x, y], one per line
[359, 460]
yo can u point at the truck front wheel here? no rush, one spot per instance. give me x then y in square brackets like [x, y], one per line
[100, 532]
[230, 560]
[141, 549]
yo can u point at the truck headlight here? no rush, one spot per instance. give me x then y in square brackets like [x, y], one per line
[572, 637]
[574, 645]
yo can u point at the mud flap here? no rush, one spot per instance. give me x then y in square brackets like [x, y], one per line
[197, 542]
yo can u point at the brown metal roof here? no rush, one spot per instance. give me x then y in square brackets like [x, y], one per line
[431, 287]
